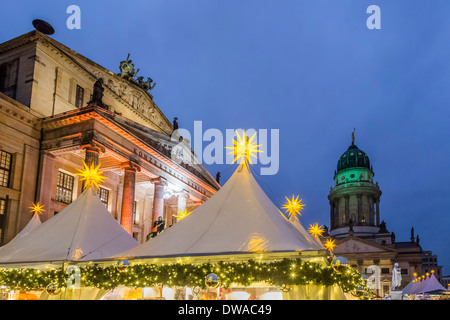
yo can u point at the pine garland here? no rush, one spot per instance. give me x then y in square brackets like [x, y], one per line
[278, 273]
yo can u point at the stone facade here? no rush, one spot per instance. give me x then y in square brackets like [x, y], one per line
[49, 127]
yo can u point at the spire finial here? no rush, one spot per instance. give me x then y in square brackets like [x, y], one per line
[353, 136]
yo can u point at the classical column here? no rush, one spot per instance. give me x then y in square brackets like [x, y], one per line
[332, 215]
[129, 185]
[378, 211]
[92, 155]
[158, 200]
[182, 197]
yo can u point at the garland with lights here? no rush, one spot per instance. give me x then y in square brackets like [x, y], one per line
[283, 273]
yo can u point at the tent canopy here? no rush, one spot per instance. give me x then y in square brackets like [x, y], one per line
[239, 218]
[84, 230]
[428, 284]
[31, 225]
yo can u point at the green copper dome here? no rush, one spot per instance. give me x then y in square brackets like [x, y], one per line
[353, 158]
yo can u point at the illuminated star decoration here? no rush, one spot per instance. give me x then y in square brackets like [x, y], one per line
[182, 214]
[315, 230]
[330, 244]
[91, 175]
[244, 148]
[36, 208]
[77, 254]
[293, 206]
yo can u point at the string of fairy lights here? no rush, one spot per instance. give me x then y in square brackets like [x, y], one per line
[284, 273]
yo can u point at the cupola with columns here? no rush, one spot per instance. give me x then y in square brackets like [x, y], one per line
[354, 199]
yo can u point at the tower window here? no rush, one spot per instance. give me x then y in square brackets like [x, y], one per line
[64, 188]
[79, 97]
[5, 168]
[8, 78]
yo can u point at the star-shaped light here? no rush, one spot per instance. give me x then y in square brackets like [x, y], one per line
[315, 230]
[91, 175]
[244, 148]
[330, 244]
[182, 214]
[77, 254]
[293, 206]
[36, 208]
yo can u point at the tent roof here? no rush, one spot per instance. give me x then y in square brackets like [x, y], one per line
[84, 230]
[239, 218]
[31, 225]
[429, 284]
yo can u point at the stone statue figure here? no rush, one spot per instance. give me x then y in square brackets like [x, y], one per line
[175, 123]
[97, 94]
[412, 234]
[127, 68]
[160, 224]
[396, 277]
[146, 85]
[218, 177]
[353, 136]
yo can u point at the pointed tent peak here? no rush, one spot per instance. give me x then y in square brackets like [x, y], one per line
[239, 218]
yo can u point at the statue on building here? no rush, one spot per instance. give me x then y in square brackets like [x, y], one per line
[392, 237]
[417, 239]
[175, 123]
[97, 93]
[396, 277]
[146, 85]
[383, 227]
[160, 225]
[353, 136]
[218, 177]
[127, 68]
[412, 235]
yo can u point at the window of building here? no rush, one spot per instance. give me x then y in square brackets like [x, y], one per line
[385, 270]
[8, 78]
[104, 196]
[5, 168]
[404, 271]
[79, 97]
[64, 189]
[2, 218]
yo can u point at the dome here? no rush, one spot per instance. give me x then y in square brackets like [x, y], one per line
[353, 158]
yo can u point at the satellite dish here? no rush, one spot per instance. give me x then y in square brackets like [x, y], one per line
[43, 26]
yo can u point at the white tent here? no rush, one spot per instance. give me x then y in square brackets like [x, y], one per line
[429, 284]
[239, 218]
[31, 225]
[84, 230]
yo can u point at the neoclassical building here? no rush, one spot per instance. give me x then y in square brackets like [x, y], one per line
[58, 109]
[355, 224]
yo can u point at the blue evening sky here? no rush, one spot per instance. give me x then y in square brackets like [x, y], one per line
[310, 68]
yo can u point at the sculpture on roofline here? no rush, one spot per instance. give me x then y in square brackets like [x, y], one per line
[127, 68]
[146, 85]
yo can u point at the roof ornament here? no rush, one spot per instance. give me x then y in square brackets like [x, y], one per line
[353, 136]
[128, 71]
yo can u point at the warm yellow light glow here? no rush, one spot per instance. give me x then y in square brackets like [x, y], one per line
[182, 214]
[91, 175]
[315, 230]
[330, 244]
[77, 254]
[36, 208]
[293, 206]
[244, 148]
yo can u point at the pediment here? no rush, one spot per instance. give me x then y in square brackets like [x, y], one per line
[356, 245]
